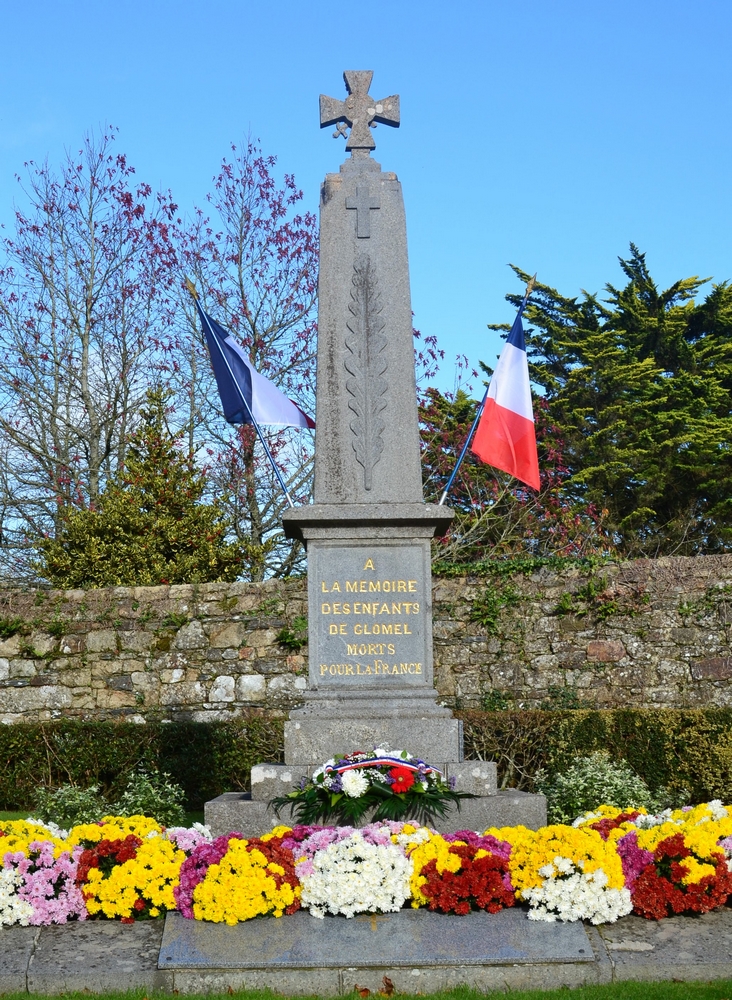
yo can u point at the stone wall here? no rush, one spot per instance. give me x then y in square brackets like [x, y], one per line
[646, 633]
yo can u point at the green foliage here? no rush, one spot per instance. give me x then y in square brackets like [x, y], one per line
[562, 698]
[68, 805]
[496, 701]
[150, 793]
[296, 636]
[175, 620]
[10, 627]
[495, 515]
[680, 753]
[106, 753]
[489, 605]
[638, 394]
[150, 526]
[316, 804]
[592, 781]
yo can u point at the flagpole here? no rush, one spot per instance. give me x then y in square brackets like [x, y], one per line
[192, 289]
[479, 412]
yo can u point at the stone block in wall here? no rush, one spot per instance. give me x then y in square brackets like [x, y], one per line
[228, 635]
[34, 699]
[72, 645]
[103, 641]
[286, 685]
[191, 636]
[222, 689]
[251, 688]
[715, 668]
[21, 668]
[110, 698]
[11, 646]
[185, 693]
[137, 641]
[605, 650]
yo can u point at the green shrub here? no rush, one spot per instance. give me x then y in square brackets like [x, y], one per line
[107, 753]
[592, 781]
[150, 793]
[68, 805]
[681, 754]
[295, 637]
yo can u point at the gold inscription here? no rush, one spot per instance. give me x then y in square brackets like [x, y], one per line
[377, 668]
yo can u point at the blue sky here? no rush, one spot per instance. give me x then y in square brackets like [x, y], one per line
[547, 134]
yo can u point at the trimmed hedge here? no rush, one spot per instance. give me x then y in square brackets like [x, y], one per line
[688, 751]
[206, 758]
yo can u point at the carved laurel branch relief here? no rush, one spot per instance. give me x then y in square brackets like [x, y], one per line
[366, 362]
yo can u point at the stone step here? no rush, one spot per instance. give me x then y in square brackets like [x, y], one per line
[239, 812]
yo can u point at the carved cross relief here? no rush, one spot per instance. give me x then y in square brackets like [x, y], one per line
[363, 203]
[359, 111]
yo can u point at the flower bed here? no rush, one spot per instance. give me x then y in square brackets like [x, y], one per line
[608, 863]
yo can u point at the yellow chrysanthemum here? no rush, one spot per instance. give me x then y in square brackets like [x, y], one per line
[151, 876]
[437, 849]
[532, 849]
[19, 834]
[242, 886]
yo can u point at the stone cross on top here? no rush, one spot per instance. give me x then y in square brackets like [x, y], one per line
[359, 111]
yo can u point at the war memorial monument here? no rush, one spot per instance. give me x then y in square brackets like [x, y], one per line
[368, 531]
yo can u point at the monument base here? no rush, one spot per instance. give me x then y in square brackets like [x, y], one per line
[239, 812]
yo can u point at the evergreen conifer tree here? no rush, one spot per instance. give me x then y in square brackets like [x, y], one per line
[150, 526]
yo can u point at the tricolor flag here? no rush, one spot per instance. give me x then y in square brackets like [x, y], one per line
[246, 396]
[505, 437]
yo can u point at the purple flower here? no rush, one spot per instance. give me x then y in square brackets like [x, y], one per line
[501, 848]
[49, 884]
[193, 870]
[634, 859]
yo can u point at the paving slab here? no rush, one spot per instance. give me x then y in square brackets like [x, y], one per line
[688, 948]
[97, 956]
[16, 948]
[393, 940]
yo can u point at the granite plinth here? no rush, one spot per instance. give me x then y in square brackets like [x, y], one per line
[313, 740]
[396, 940]
[382, 520]
[238, 812]
[270, 780]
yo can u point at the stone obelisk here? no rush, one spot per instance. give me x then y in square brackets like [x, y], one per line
[368, 531]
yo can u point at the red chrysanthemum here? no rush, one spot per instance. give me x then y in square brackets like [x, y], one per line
[479, 884]
[402, 779]
[660, 891]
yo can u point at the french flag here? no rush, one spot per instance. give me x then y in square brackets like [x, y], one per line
[246, 396]
[505, 437]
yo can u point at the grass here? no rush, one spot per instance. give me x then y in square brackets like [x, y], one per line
[718, 990]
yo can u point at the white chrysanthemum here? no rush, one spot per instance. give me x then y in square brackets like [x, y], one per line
[353, 876]
[644, 822]
[577, 896]
[13, 910]
[420, 836]
[354, 784]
